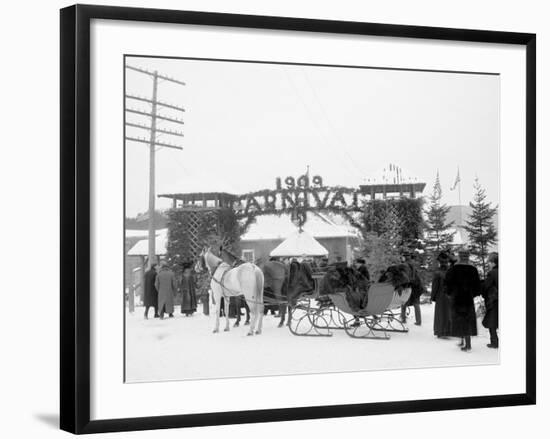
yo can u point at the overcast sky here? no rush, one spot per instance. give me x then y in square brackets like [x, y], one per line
[246, 124]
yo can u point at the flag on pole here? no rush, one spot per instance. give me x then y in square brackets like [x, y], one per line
[457, 180]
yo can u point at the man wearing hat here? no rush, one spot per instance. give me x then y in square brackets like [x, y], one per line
[462, 284]
[150, 293]
[166, 287]
[417, 289]
[361, 267]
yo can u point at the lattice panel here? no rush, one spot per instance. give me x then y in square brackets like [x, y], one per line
[194, 220]
[192, 229]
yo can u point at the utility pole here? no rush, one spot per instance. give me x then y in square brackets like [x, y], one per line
[152, 139]
[153, 143]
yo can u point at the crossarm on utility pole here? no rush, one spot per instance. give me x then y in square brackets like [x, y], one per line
[156, 75]
[156, 143]
[153, 113]
[159, 103]
[159, 130]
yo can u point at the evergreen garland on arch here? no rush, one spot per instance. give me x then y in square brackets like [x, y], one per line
[388, 227]
[408, 213]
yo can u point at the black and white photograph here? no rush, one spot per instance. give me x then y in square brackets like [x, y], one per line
[290, 219]
[275, 219]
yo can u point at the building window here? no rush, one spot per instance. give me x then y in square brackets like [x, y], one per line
[247, 255]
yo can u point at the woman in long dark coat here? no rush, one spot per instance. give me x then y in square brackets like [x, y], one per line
[462, 284]
[490, 296]
[442, 311]
[150, 293]
[189, 292]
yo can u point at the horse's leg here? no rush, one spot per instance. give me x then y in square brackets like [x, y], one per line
[217, 311]
[247, 309]
[238, 311]
[254, 312]
[282, 311]
[226, 309]
[280, 299]
[260, 314]
[291, 303]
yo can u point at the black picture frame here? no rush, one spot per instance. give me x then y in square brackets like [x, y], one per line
[75, 217]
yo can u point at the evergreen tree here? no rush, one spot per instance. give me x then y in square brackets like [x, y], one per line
[480, 226]
[438, 236]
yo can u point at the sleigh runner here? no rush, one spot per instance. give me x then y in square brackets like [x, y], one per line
[377, 318]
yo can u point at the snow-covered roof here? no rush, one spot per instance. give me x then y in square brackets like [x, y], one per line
[280, 227]
[131, 233]
[300, 243]
[459, 236]
[141, 248]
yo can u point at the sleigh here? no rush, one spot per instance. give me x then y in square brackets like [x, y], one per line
[379, 317]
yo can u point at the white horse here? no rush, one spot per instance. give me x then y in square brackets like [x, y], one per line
[246, 279]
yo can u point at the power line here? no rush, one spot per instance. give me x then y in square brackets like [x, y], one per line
[331, 125]
[316, 122]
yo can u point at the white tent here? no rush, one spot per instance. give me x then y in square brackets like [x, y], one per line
[300, 243]
[275, 227]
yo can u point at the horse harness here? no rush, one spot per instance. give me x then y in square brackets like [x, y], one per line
[236, 293]
[220, 282]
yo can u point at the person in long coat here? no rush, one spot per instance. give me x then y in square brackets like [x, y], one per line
[188, 291]
[166, 287]
[462, 284]
[150, 293]
[417, 289]
[442, 311]
[490, 296]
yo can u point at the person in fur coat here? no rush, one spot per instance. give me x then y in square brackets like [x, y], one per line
[442, 311]
[462, 284]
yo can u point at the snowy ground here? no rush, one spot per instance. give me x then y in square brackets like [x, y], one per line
[185, 348]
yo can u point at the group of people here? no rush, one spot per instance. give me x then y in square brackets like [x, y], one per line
[161, 286]
[454, 286]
